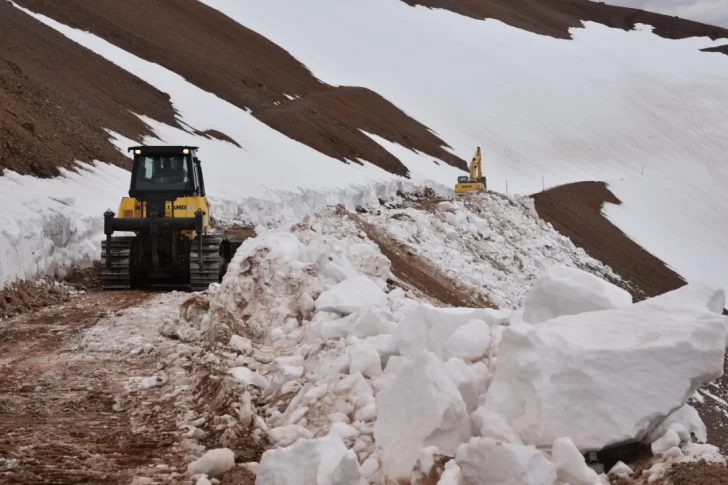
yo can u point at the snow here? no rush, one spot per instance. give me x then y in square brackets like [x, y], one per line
[421, 407]
[485, 460]
[571, 467]
[655, 132]
[669, 440]
[429, 328]
[620, 470]
[470, 341]
[323, 461]
[214, 463]
[605, 377]
[351, 295]
[501, 247]
[367, 397]
[570, 291]
[50, 224]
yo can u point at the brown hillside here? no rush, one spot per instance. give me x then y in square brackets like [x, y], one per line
[56, 97]
[575, 210]
[221, 56]
[723, 49]
[555, 17]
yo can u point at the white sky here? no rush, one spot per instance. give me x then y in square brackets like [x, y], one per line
[714, 12]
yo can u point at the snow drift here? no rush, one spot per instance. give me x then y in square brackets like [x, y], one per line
[398, 388]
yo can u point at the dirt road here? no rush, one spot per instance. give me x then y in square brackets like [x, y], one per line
[63, 418]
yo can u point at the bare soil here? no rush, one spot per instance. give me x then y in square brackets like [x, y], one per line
[698, 474]
[28, 296]
[57, 97]
[221, 56]
[58, 420]
[555, 17]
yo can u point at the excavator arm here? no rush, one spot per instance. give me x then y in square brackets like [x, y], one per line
[475, 180]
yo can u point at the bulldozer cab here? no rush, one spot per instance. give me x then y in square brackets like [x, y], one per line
[171, 171]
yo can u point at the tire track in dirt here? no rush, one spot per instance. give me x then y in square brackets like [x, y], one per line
[60, 421]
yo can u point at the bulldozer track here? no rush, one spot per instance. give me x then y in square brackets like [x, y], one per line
[117, 277]
[202, 276]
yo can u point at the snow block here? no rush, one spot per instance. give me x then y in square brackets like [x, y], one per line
[488, 424]
[428, 328]
[485, 460]
[214, 463]
[571, 467]
[366, 360]
[362, 323]
[421, 407]
[685, 421]
[693, 296]
[468, 342]
[604, 378]
[569, 291]
[322, 461]
[351, 295]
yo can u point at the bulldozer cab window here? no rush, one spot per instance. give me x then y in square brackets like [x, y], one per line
[162, 173]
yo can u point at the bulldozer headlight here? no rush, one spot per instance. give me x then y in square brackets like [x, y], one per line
[137, 152]
[186, 151]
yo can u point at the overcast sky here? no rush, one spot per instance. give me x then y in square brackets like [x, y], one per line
[714, 12]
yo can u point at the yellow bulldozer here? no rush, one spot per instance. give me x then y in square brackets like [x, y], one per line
[169, 214]
[475, 181]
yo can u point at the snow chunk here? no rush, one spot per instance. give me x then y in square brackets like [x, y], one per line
[685, 421]
[365, 359]
[571, 467]
[620, 470]
[214, 463]
[428, 328]
[605, 377]
[351, 295]
[669, 440]
[323, 461]
[569, 291]
[489, 424]
[421, 407]
[362, 324]
[241, 344]
[485, 460]
[469, 341]
[247, 376]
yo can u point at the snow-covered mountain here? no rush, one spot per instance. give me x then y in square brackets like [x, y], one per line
[409, 90]
[377, 327]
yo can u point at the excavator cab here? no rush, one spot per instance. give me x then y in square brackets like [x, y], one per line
[475, 181]
[169, 215]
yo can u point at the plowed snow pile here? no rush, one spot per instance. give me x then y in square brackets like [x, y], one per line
[310, 349]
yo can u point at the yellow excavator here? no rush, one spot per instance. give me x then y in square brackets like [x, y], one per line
[475, 181]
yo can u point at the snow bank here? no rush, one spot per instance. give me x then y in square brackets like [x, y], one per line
[356, 389]
[570, 291]
[494, 244]
[49, 225]
[606, 377]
